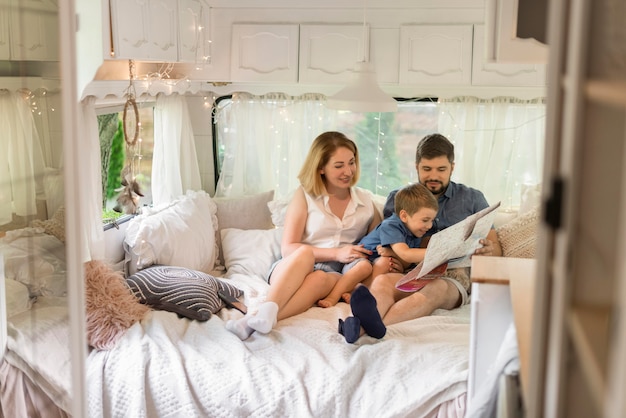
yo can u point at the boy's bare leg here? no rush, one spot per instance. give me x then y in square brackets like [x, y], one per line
[346, 284]
[382, 265]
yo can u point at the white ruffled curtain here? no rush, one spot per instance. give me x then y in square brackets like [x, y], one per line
[175, 163]
[90, 182]
[266, 139]
[499, 144]
[21, 159]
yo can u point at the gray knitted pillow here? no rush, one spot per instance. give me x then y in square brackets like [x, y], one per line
[189, 293]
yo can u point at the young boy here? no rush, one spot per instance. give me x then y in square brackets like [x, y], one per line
[400, 236]
[401, 233]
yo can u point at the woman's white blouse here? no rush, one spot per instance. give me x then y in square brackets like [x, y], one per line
[325, 230]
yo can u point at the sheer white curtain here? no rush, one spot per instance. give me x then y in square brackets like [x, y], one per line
[90, 182]
[21, 160]
[266, 139]
[499, 144]
[175, 164]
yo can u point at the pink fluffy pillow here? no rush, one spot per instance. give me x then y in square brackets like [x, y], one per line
[111, 306]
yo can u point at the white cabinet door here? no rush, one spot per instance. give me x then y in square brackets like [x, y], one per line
[145, 29]
[5, 49]
[503, 45]
[36, 44]
[129, 26]
[485, 73]
[436, 54]
[194, 32]
[329, 53]
[267, 53]
[163, 30]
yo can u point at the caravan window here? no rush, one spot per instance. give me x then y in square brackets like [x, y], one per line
[261, 142]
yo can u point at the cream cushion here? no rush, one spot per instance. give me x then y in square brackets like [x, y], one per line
[518, 237]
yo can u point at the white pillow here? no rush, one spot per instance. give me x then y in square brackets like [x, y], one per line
[251, 251]
[278, 208]
[180, 234]
[17, 297]
[246, 212]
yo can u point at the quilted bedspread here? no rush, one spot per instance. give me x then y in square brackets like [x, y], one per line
[166, 366]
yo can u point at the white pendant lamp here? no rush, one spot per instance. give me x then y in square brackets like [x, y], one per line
[363, 94]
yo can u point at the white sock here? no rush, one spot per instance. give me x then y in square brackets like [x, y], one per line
[239, 327]
[265, 318]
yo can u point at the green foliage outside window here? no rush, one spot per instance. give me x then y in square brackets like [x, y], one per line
[116, 163]
[379, 170]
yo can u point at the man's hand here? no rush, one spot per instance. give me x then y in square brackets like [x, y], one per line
[395, 266]
[490, 245]
[487, 248]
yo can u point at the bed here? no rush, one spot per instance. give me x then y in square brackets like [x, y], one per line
[165, 364]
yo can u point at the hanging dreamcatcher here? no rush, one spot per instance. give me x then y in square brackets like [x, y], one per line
[130, 192]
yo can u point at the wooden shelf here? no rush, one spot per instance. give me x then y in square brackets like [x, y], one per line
[589, 329]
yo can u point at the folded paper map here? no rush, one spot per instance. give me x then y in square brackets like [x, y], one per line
[451, 247]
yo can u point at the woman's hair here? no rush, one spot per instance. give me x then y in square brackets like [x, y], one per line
[433, 146]
[414, 197]
[319, 154]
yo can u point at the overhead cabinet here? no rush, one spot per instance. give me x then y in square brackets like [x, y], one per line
[264, 53]
[312, 53]
[5, 51]
[329, 53]
[194, 36]
[436, 54]
[160, 30]
[34, 44]
[486, 72]
[324, 54]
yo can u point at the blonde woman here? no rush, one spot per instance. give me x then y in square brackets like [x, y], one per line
[326, 216]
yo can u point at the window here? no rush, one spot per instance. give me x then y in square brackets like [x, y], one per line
[261, 142]
[116, 156]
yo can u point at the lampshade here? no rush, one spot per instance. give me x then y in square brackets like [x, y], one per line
[363, 94]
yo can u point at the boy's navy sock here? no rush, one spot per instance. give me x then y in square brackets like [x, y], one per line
[350, 329]
[363, 306]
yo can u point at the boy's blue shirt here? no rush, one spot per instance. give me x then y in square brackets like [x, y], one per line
[390, 231]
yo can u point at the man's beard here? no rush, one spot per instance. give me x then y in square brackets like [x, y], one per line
[437, 188]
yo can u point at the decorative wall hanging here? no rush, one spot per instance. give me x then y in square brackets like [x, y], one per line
[130, 192]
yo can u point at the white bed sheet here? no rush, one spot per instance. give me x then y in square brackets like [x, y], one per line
[38, 345]
[168, 366]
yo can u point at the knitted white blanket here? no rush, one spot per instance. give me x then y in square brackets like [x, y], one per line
[171, 367]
